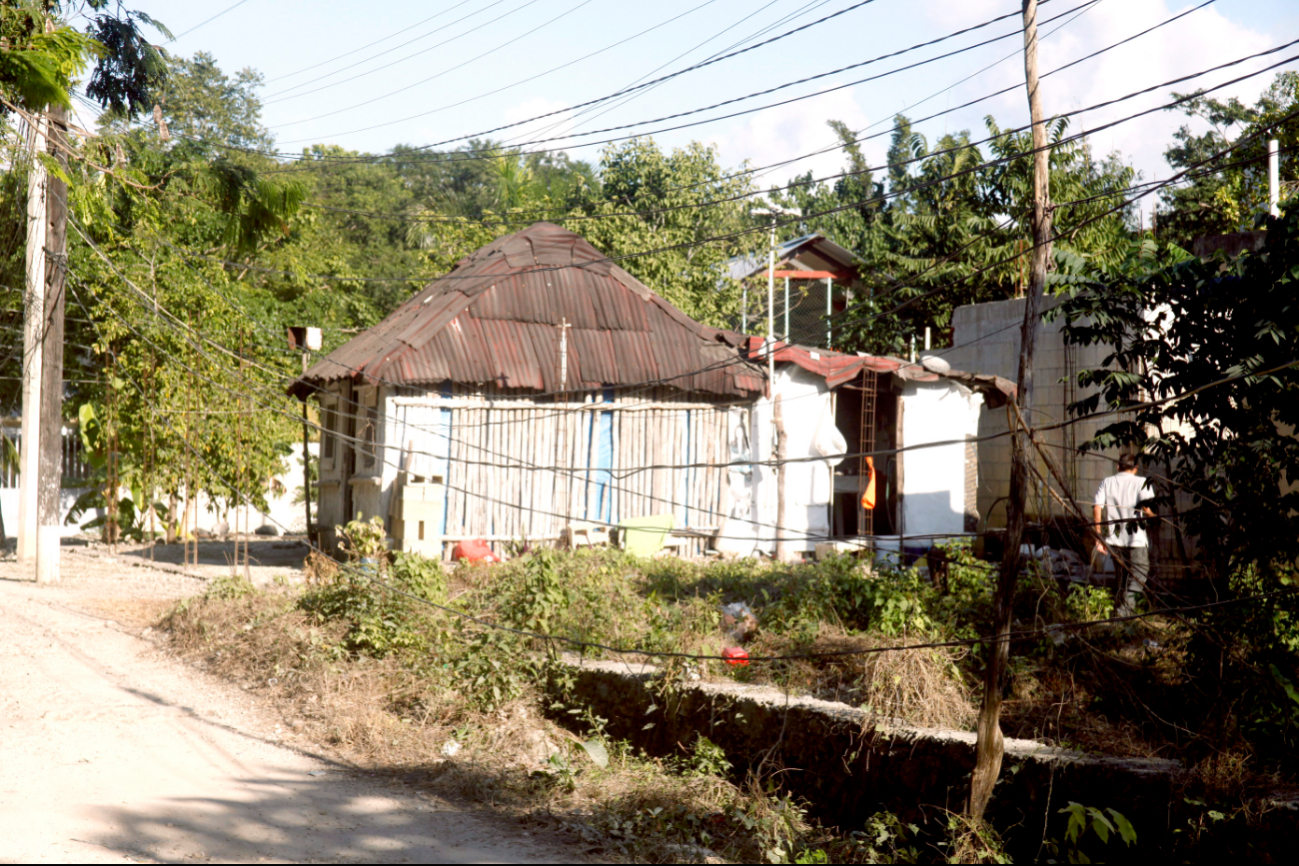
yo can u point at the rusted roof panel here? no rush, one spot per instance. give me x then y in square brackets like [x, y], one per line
[495, 319]
[838, 368]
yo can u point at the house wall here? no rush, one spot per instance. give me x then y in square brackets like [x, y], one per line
[808, 413]
[986, 340]
[934, 478]
[516, 468]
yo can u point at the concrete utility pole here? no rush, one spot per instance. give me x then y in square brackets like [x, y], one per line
[51, 411]
[33, 314]
[990, 745]
[1274, 177]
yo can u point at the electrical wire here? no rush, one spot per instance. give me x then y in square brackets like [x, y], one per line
[374, 43]
[271, 96]
[1051, 630]
[230, 8]
[426, 80]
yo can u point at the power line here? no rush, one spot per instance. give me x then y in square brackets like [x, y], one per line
[662, 79]
[605, 98]
[422, 81]
[377, 41]
[230, 8]
[538, 75]
[804, 217]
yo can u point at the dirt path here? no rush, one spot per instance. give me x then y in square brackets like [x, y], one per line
[110, 752]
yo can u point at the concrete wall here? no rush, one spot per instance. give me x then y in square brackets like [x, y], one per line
[933, 481]
[848, 764]
[986, 340]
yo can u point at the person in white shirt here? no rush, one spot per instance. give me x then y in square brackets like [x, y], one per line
[1117, 513]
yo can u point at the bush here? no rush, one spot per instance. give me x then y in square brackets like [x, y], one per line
[381, 621]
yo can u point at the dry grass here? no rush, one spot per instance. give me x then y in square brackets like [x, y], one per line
[130, 612]
[387, 715]
[920, 687]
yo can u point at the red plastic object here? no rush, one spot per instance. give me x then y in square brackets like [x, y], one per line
[474, 551]
[735, 656]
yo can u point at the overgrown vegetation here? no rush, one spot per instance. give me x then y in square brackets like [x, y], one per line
[404, 686]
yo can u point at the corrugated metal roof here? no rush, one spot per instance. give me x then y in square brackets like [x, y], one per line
[495, 319]
[814, 251]
[838, 368]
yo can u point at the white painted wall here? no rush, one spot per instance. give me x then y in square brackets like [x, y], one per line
[9, 508]
[933, 482]
[806, 408]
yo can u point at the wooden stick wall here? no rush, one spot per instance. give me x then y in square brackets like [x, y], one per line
[496, 439]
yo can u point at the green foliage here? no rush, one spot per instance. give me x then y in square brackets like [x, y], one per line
[1227, 193]
[230, 587]
[363, 539]
[1083, 819]
[1173, 331]
[487, 666]
[648, 204]
[706, 759]
[1087, 603]
[37, 68]
[838, 590]
[937, 241]
[380, 621]
[537, 599]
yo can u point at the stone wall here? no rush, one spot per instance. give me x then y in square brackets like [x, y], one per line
[849, 764]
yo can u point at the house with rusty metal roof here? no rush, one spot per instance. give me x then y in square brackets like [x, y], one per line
[540, 392]
[536, 384]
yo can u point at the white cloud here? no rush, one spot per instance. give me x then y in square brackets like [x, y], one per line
[772, 137]
[1202, 39]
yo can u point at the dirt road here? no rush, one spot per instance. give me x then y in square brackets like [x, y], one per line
[111, 752]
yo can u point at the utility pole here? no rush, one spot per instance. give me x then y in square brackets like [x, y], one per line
[50, 482]
[990, 744]
[1274, 177]
[33, 314]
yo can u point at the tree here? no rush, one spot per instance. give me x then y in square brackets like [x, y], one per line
[1229, 192]
[1176, 332]
[651, 221]
[948, 228]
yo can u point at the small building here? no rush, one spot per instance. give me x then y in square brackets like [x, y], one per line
[535, 385]
[814, 279]
[917, 422]
[539, 390]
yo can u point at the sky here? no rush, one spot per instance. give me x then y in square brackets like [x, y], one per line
[368, 76]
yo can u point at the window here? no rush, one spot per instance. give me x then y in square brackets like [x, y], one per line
[368, 427]
[328, 433]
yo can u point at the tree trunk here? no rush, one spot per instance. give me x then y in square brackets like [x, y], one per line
[990, 745]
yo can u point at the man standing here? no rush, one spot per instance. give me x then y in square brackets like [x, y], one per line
[1117, 514]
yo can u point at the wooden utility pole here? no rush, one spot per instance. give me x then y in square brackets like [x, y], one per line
[33, 316]
[50, 481]
[988, 752]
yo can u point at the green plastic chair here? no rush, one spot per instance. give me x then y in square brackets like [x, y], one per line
[644, 536]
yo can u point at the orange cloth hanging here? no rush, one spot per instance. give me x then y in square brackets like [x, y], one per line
[868, 497]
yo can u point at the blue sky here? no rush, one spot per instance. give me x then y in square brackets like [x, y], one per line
[462, 50]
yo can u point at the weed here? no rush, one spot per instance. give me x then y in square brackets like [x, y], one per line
[229, 588]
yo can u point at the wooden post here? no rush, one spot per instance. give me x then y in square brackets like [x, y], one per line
[306, 456]
[989, 748]
[50, 479]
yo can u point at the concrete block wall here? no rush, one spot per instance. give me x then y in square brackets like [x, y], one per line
[848, 764]
[986, 340]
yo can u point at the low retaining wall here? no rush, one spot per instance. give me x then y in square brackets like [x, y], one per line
[849, 764]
